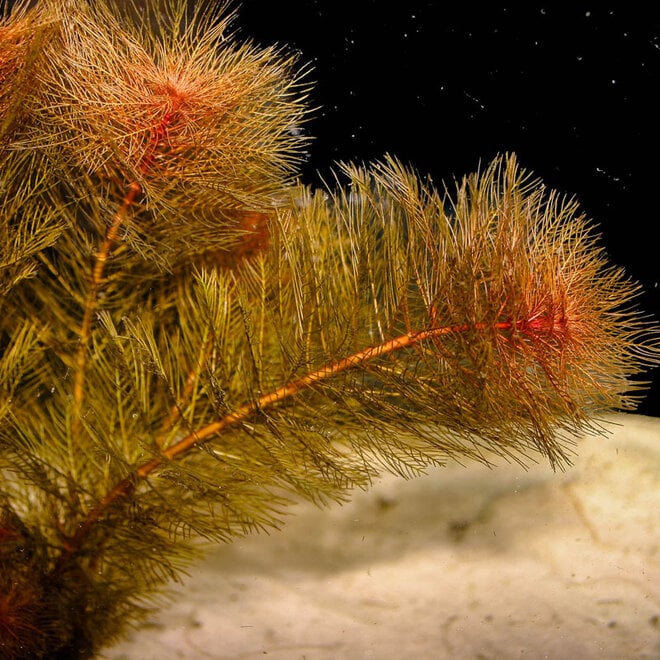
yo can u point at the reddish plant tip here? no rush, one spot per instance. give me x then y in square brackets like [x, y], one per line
[255, 235]
[554, 325]
[172, 114]
[173, 106]
[549, 321]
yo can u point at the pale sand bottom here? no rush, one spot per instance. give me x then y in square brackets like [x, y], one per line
[463, 563]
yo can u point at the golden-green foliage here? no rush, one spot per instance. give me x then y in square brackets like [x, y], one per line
[190, 337]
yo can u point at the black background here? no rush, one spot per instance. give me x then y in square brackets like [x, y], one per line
[444, 86]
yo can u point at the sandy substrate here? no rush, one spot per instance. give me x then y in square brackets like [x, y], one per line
[466, 562]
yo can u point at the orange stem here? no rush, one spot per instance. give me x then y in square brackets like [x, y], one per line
[127, 485]
[96, 281]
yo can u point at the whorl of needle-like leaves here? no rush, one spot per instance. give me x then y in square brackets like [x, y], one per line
[386, 322]
[164, 97]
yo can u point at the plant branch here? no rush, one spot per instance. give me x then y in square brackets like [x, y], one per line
[91, 302]
[126, 486]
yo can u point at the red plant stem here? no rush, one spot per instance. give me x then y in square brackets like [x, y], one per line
[158, 137]
[202, 435]
[98, 272]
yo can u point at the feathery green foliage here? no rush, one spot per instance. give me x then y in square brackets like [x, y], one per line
[190, 337]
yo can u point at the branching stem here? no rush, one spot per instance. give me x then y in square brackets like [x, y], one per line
[91, 302]
[205, 433]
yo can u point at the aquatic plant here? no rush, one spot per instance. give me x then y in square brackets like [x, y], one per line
[191, 337]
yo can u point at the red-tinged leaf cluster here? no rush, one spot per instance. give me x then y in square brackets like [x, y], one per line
[569, 342]
[169, 100]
